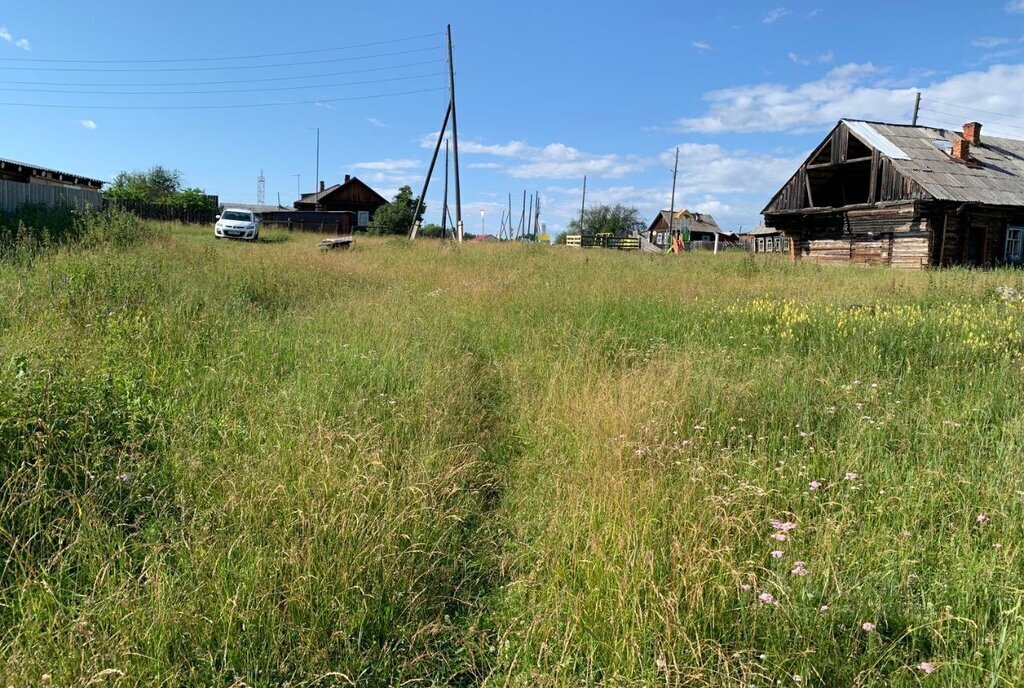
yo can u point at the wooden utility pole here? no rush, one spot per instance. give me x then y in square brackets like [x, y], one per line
[529, 221]
[672, 207]
[444, 210]
[583, 206]
[317, 189]
[917, 108]
[455, 136]
[522, 218]
[430, 172]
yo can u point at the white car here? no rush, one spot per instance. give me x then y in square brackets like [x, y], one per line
[235, 223]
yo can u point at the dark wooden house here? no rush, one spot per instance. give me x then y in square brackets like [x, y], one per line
[905, 196]
[338, 209]
[765, 240]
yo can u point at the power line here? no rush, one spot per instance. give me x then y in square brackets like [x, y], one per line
[1013, 120]
[226, 81]
[972, 109]
[216, 69]
[230, 90]
[233, 106]
[223, 59]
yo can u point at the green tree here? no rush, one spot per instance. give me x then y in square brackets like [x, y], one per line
[152, 186]
[618, 219]
[396, 216]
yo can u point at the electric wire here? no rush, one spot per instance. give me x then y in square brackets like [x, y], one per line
[230, 106]
[104, 84]
[972, 109]
[218, 69]
[224, 59]
[228, 90]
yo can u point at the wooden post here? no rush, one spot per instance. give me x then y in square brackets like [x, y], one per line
[917, 108]
[672, 206]
[942, 247]
[583, 206]
[444, 208]
[455, 135]
[430, 172]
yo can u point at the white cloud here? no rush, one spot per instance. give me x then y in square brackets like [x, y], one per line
[389, 165]
[826, 58]
[710, 168]
[88, 124]
[990, 42]
[23, 44]
[1015, 7]
[5, 34]
[484, 166]
[798, 60]
[780, 12]
[554, 161]
[859, 91]
[701, 45]
[376, 122]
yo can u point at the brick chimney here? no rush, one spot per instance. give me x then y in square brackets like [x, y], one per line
[972, 132]
[348, 178]
[322, 187]
[961, 150]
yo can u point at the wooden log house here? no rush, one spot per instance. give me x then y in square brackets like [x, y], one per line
[905, 196]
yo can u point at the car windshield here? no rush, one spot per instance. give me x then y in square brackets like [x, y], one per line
[237, 216]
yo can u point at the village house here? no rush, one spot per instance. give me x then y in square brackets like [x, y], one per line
[341, 208]
[698, 230]
[765, 240]
[905, 196]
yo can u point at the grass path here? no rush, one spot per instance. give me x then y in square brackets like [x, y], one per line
[261, 465]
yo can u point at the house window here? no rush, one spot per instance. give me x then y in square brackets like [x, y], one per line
[778, 243]
[760, 245]
[1013, 244]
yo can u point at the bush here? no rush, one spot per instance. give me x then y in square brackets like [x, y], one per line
[34, 229]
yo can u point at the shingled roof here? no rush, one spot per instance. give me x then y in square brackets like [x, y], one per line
[694, 222]
[921, 154]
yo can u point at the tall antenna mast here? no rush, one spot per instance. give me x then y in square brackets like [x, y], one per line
[261, 189]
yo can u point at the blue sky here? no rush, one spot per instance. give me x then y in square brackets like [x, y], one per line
[548, 92]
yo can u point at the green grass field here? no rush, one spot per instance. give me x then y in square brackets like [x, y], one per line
[229, 464]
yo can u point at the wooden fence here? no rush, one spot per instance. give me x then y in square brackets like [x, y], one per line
[15, 195]
[159, 211]
[603, 241]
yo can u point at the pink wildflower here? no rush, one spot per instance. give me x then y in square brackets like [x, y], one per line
[852, 476]
[781, 537]
[926, 667]
[799, 569]
[766, 598]
[782, 526]
[868, 626]
[982, 518]
[823, 608]
[814, 484]
[778, 554]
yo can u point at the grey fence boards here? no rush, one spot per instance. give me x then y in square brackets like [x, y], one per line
[14, 195]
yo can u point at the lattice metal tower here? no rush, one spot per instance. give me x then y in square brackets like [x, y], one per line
[261, 189]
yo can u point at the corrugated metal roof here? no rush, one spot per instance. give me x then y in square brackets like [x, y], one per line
[871, 137]
[37, 168]
[997, 180]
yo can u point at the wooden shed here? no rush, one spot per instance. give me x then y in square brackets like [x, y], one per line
[905, 196]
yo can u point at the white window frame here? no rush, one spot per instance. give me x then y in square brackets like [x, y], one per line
[1014, 244]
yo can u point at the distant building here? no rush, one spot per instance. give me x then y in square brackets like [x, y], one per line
[765, 240]
[13, 171]
[22, 184]
[351, 196]
[905, 196]
[698, 230]
[338, 209]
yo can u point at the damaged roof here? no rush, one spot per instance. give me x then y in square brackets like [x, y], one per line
[997, 179]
